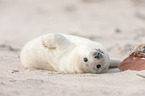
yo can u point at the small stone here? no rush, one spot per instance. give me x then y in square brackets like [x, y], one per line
[13, 80]
[117, 30]
[15, 71]
[135, 61]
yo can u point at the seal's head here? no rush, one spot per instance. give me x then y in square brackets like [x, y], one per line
[94, 61]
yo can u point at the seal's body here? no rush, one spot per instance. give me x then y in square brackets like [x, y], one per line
[65, 53]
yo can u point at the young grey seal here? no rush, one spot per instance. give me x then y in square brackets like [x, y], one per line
[66, 54]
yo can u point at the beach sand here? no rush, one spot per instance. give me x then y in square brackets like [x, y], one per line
[118, 24]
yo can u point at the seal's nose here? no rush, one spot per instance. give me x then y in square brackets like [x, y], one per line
[98, 55]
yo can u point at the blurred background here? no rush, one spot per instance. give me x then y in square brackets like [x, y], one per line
[117, 24]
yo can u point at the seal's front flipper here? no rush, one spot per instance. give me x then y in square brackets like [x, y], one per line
[114, 63]
[54, 40]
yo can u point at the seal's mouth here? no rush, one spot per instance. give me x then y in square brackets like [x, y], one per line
[99, 50]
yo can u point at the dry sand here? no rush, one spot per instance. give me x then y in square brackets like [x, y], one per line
[118, 24]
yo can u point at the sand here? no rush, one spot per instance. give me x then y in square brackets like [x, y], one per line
[118, 24]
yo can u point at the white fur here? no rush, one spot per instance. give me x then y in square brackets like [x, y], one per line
[63, 53]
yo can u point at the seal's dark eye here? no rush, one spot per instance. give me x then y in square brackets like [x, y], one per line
[98, 66]
[85, 60]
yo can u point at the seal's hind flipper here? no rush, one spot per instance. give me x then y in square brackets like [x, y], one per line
[54, 40]
[114, 63]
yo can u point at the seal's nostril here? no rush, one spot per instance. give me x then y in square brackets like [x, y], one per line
[98, 55]
[98, 66]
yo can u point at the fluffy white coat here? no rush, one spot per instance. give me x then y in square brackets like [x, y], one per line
[65, 53]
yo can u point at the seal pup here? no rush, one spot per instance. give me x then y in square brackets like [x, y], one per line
[66, 54]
